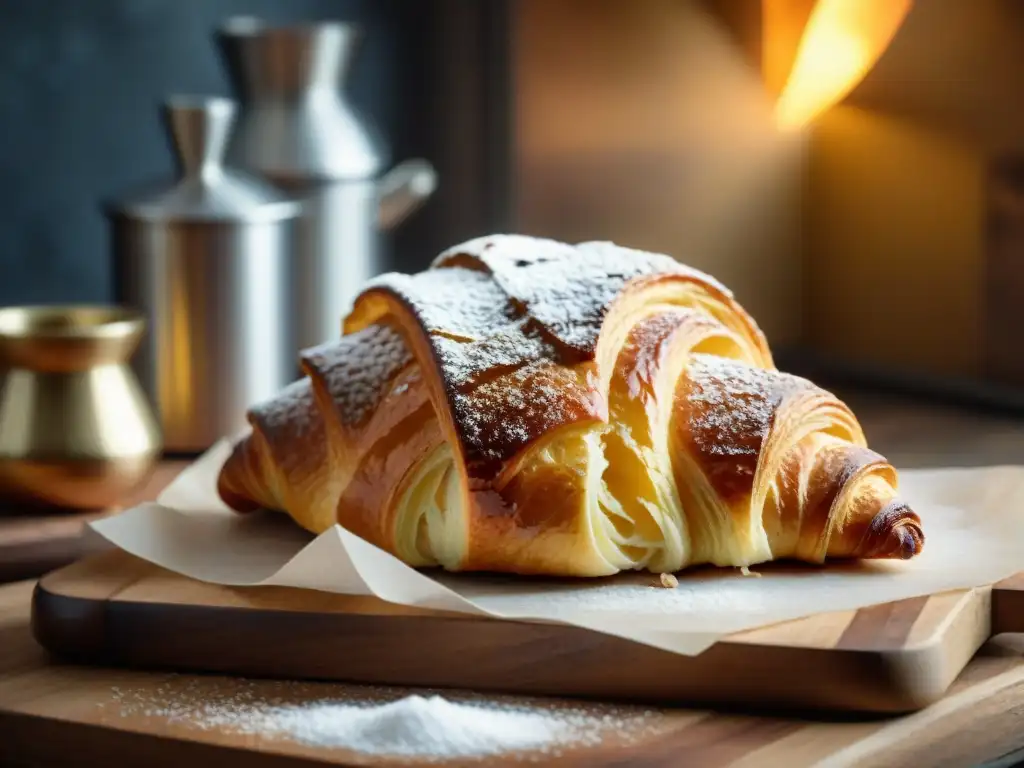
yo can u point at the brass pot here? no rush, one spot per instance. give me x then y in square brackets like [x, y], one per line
[76, 430]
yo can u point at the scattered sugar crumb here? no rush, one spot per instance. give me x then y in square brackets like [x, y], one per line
[356, 369]
[669, 581]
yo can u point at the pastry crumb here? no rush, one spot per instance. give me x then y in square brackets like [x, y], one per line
[669, 581]
[747, 572]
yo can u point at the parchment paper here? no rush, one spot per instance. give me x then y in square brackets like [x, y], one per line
[973, 521]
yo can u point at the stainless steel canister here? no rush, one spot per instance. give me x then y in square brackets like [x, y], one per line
[206, 258]
[298, 129]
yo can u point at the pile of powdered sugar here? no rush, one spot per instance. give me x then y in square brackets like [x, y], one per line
[372, 721]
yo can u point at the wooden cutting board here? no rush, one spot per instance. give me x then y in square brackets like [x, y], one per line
[897, 657]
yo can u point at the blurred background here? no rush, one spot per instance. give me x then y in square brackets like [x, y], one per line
[648, 123]
[80, 89]
[853, 171]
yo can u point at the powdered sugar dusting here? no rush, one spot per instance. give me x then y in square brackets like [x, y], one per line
[492, 357]
[490, 250]
[454, 302]
[464, 363]
[291, 418]
[426, 726]
[730, 407]
[473, 325]
[501, 416]
[731, 400]
[643, 597]
[567, 289]
[356, 369]
[510, 317]
[291, 409]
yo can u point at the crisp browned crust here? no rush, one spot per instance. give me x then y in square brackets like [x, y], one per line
[511, 315]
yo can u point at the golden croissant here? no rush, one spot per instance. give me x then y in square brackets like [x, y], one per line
[533, 407]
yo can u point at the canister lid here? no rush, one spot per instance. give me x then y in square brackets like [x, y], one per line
[326, 139]
[206, 190]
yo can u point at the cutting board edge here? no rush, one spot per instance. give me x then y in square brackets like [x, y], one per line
[868, 681]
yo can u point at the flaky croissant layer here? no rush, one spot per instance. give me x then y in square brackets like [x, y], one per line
[533, 407]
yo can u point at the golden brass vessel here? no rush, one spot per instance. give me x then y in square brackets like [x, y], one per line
[76, 430]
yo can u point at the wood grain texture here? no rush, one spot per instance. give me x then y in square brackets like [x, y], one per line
[54, 713]
[115, 608]
[34, 541]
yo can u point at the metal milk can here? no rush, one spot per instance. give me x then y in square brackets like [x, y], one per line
[297, 129]
[206, 257]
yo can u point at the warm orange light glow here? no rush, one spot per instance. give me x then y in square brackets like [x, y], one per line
[842, 41]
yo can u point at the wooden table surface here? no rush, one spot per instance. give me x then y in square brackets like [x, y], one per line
[914, 433]
[97, 716]
[981, 722]
[33, 542]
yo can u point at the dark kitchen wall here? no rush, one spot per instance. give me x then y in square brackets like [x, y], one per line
[80, 88]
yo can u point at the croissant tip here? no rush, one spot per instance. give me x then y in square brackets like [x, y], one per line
[896, 533]
[911, 540]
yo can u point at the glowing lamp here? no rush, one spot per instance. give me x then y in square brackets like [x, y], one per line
[841, 42]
